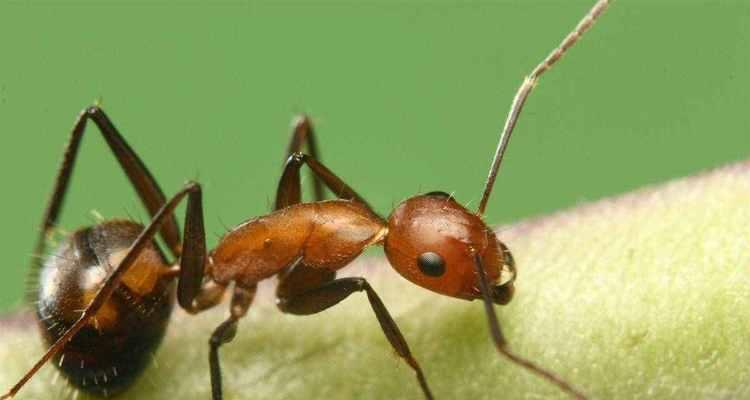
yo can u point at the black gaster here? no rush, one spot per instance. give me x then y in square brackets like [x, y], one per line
[100, 360]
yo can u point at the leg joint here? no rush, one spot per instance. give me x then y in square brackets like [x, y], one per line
[362, 284]
[297, 158]
[93, 110]
[192, 186]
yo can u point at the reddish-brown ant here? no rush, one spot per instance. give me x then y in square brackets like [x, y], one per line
[105, 294]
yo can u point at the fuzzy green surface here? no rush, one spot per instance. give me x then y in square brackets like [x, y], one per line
[642, 296]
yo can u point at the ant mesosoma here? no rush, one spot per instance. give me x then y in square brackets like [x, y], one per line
[105, 293]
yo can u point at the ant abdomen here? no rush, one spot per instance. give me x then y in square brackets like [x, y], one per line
[118, 343]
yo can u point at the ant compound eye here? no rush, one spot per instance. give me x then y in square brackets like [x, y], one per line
[431, 264]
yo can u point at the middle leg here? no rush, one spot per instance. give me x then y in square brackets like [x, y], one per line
[303, 135]
[315, 300]
[303, 290]
[298, 276]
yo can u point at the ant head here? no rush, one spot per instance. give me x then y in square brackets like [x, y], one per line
[432, 241]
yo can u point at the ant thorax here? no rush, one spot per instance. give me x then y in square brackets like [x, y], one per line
[325, 235]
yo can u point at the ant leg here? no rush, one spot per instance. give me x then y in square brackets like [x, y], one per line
[193, 260]
[194, 295]
[313, 301]
[144, 183]
[289, 193]
[299, 276]
[113, 280]
[502, 344]
[303, 134]
[303, 290]
[224, 333]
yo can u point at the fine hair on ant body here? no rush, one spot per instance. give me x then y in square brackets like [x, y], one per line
[105, 294]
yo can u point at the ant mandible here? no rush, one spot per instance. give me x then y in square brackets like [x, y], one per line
[107, 279]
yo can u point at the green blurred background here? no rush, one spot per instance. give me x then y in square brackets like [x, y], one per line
[408, 96]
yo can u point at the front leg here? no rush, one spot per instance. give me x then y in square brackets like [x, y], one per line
[224, 333]
[502, 345]
[313, 301]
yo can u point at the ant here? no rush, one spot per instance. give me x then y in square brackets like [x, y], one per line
[106, 292]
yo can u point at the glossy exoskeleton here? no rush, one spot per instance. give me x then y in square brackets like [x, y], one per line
[108, 354]
[105, 293]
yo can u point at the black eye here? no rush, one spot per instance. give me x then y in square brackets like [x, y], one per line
[431, 264]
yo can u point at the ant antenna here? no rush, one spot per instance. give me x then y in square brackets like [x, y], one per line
[528, 85]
